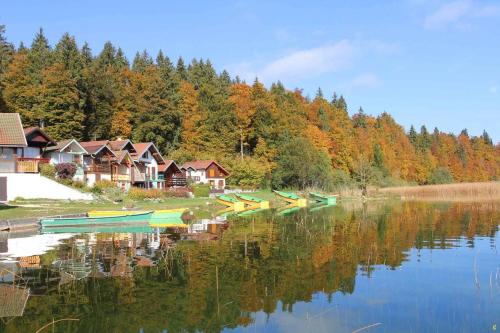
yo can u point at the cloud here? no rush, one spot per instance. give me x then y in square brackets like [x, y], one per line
[494, 90]
[456, 12]
[310, 62]
[448, 13]
[367, 80]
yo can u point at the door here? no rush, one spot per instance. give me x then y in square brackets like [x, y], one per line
[3, 188]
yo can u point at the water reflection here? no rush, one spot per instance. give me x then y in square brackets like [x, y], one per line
[408, 266]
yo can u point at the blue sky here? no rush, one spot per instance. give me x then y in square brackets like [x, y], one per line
[426, 62]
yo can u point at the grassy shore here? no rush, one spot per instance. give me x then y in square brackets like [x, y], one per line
[485, 191]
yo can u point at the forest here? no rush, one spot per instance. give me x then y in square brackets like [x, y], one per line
[265, 136]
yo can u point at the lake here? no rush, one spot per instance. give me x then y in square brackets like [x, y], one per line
[376, 267]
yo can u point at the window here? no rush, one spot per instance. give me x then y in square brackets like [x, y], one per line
[196, 178]
[211, 173]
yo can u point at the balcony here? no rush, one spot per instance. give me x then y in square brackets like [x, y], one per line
[120, 178]
[30, 165]
[98, 168]
[177, 181]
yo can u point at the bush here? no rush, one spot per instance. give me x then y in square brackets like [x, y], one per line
[65, 170]
[201, 191]
[181, 192]
[136, 193]
[48, 170]
[440, 176]
[79, 184]
[101, 185]
[114, 194]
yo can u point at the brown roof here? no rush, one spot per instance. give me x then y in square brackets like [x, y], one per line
[29, 133]
[11, 131]
[141, 148]
[118, 144]
[201, 165]
[93, 147]
[61, 145]
[168, 163]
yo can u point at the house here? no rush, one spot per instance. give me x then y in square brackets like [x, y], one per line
[68, 151]
[21, 152]
[147, 158]
[123, 169]
[97, 161]
[12, 141]
[206, 172]
[172, 174]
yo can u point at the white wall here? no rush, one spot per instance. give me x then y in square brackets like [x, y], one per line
[34, 186]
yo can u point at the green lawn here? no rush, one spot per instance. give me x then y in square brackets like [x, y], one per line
[39, 208]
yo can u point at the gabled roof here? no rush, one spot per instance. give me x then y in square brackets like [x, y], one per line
[94, 147]
[121, 155]
[142, 147]
[62, 145]
[32, 133]
[117, 145]
[11, 131]
[202, 165]
[168, 163]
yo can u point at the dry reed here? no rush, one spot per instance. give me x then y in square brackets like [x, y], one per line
[484, 191]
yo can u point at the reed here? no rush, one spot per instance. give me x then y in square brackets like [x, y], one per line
[483, 191]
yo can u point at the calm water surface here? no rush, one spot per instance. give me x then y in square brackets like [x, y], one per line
[400, 267]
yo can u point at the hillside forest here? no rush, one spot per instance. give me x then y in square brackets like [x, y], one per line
[266, 137]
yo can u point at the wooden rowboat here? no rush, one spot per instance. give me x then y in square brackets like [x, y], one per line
[253, 201]
[330, 199]
[291, 198]
[141, 217]
[234, 203]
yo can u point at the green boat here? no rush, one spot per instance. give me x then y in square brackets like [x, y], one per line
[288, 210]
[168, 222]
[115, 229]
[320, 205]
[330, 199]
[104, 220]
[253, 201]
[234, 203]
[292, 198]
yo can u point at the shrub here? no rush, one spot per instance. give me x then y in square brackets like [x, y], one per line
[181, 192]
[136, 193]
[79, 184]
[201, 191]
[65, 170]
[100, 185]
[114, 194]
[440, 176]
[48, 170]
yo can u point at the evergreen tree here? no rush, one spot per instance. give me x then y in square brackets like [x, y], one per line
[486, 138]
[141, 62]
[62, 116]
[181, 69]
[413, 136]
[359, 119]
[40, 56]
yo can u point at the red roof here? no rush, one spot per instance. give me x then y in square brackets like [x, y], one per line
[30, 137]
[93, 147]
[202, 165]
[141, 148]
[11, 130]
[164, 167]
[118, 144]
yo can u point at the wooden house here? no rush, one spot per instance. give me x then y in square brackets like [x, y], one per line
[97, 161]
[12, 141]
[172, 174]
[206, 172]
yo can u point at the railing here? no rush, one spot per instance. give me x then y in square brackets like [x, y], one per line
[30, 165]
[103, 168]
[120, 178]
[176, 182]
[138, 176]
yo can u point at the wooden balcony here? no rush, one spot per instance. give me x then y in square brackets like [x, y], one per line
[30, 165]
[178, 181]
[120, 178]
[98, 168]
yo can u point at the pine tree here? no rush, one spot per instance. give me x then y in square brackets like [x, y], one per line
[486, 138]
[181, 69]
[62, 116]
[40, 56]
[413, 136]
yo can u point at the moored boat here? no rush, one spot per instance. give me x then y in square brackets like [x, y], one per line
[140, 217]
[292, 198]
[253, 201]
[115, 229]
[234, 203]
[319, 197]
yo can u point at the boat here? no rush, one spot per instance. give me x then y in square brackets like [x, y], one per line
[292, 198]
[253, 201]
[319, 197]
[168, 222]
[288, 210]
[234, 203]
[138, 217]
[320, 205]
[115, 229]
[156, 214]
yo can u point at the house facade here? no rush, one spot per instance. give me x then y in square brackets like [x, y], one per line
[172, 174]
[147, 159]
[97, 161]
[206, 172]
[68, 151]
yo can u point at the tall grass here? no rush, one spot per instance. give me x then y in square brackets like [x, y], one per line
[484, 191]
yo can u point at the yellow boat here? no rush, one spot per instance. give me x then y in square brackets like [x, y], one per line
[292, 198]
[253, 201]
[236, 205]
[162, 213]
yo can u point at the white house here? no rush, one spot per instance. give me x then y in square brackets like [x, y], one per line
[148, 159]
[206, 172]
[68, 151]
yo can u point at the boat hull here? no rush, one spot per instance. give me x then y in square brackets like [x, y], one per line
[116, 229]
[331, 200]
[253, 202]
[105, 220]
[237, 205]
[292, 198]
